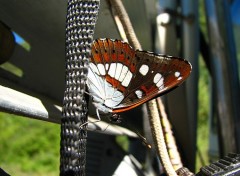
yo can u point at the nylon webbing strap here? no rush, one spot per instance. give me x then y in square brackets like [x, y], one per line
[80, 24]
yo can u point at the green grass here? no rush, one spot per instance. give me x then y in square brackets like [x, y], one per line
[12, 69]
[203, 114]
[203, 102]
[28, 147]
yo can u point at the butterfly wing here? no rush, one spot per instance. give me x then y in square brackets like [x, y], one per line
[109, 61]
[154, 75]
[123, 78]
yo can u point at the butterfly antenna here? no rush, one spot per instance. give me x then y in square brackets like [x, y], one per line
[144, 140]
[88, 122]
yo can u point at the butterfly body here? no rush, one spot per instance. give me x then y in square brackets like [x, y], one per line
[120, 78]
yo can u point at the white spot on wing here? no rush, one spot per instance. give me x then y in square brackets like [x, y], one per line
[112, 69]
[123, 73]
[139, 93]
[118, 70]
[160, 84]
[127, 79]
[144, 69]
[101, 69]
[179, 78]
[107, 66]
[177, 74]
[157, 77]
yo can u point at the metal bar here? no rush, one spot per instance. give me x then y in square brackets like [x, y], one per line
[41, 108]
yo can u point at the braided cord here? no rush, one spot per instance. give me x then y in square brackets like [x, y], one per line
[80, 24]
[169, 137]
[127, 25]
[158, 138]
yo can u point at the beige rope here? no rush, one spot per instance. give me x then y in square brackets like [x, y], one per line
[152, 105]
[158, 137]
[169, 138]
[126, 23]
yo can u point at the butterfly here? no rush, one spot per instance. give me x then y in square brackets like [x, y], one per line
[121, 78]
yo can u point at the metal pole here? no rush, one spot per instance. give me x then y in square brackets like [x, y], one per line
[225, 78]
[190, 49]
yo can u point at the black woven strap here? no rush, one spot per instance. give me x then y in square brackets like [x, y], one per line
[80, 24]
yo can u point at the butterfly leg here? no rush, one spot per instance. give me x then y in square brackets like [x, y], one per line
[88, 93]
[98, 116]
